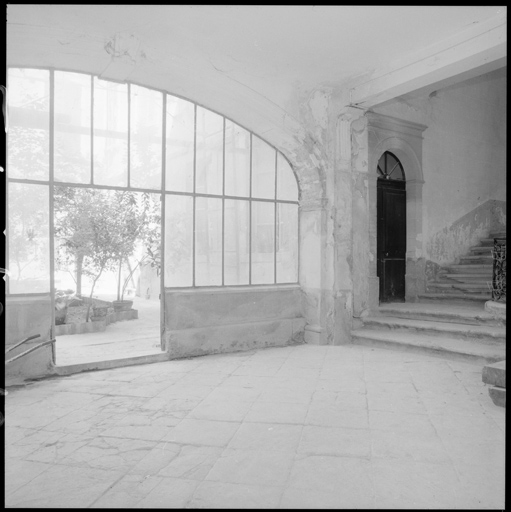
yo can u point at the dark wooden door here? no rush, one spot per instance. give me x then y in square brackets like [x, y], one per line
[391, 239]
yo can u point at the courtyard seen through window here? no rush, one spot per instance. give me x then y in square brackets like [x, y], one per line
[228, 211]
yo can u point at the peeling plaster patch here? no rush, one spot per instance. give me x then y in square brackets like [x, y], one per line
[319, 108]
[125, 47]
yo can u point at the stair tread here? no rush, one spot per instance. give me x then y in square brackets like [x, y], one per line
[462, 266]
[493, 352]
[467, 313]
[455, 296]
[489, 330]
[455, 275]
[459, 285]
[451, 290]
[434, 308]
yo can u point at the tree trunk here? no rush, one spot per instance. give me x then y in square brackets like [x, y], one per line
[79, 267]
[119, 281]
[91, 292]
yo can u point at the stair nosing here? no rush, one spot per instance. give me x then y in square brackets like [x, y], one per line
[494, 332]
[488, 352]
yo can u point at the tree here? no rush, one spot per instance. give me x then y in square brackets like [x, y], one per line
[98, 230]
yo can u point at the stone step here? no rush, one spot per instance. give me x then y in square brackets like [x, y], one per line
[498, 396]
[454, 297]
[473, 284]
[495, 374]
[469, 277]
[487, 241]
[497, 234]
[442, 287]
[483, 333]
[476, 259]
[482, 249]
[446, 347]
[459, 292]
[444, 312]
[468, 269]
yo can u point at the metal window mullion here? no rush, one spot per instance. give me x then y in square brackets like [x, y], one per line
[275, 227]
[194, 189]
[92, 130]
[129, 135]
[163, 198]
[223, 205]
[51, 213]
[250, 217]
[87, 185]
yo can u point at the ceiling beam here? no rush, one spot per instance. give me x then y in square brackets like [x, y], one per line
[483, 46]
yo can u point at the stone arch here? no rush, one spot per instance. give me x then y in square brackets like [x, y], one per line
[404, 140]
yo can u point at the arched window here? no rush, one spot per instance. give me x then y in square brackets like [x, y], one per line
[230, 208]
[390, 168]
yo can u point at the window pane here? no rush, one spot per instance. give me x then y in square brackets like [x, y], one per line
[237, 160]
[72, 160]
[208, 241]
[287, 243]
[29, 123]
[146, 137]
[263, 234]
[236, 246]
[179, 147]
[110, 133]
[287, 188]
[263, 169]
[28, 238]
[210, 143]
[178, 240]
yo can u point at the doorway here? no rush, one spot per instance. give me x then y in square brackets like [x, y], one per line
[391, 228]
[106, 273]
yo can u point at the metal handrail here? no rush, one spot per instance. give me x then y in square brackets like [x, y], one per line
[31, 349]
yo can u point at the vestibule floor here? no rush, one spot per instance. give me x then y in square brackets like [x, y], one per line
[294, 427]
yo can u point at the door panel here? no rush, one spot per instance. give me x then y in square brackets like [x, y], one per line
[391, 239]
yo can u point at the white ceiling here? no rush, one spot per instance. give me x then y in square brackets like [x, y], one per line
[271, 51]
[308, 44]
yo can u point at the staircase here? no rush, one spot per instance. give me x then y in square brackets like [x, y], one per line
[449, 320]
[469, 280]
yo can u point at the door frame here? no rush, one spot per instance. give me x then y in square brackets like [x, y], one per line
[404, 140]
[382, 187]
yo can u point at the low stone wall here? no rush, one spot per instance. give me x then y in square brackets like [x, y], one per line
[96, 326]
[210, 321]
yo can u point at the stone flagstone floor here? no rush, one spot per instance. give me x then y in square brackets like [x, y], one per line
[294, 427]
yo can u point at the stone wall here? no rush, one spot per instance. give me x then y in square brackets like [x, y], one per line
[24, 317]
[209, 321]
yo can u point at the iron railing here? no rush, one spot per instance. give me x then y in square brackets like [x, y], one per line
[35, 347]
[498, 291]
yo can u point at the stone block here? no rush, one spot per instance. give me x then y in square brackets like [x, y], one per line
[495, 374]
[498, 396]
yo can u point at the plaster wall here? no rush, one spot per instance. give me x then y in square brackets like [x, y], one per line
[209, 321]
[24, 317]
[464, 155]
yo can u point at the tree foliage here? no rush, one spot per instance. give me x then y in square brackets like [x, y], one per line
[99, 229]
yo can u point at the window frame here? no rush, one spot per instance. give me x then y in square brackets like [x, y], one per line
[52, 183]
